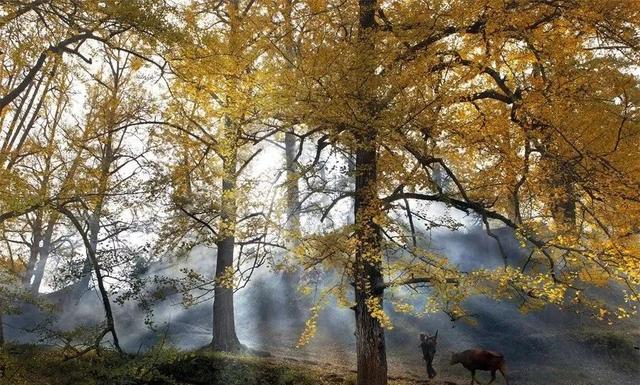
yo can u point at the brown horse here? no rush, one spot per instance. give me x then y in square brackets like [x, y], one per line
[428, 346]
[478, 359]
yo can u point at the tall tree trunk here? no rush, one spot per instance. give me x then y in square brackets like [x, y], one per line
[45, 250]
[368, 283]
[87, 267]
[224, 328]
[564, 208]
[34, 250]
[52, 215]
[370, 340]
[290, 279]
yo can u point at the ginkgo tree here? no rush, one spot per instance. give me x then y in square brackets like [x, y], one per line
[37, 37]
[529, 111]
[216, 115]
[522, 114]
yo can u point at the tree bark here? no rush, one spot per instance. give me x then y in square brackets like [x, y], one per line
[290, 279]
[368, 282]
[562, 181]
[370, 339]
[564, 208]
[224, 328]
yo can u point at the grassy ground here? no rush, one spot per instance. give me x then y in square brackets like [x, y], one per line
[37, 365]
[31, 365]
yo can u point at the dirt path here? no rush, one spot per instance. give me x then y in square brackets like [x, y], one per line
[344, 373]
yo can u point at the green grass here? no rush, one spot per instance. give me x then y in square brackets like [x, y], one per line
[43, 366]
[38, 365]
[221, 369]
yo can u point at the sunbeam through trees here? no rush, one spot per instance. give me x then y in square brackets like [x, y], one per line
[319, 191]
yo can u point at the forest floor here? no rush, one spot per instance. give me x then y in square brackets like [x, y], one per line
[617, 362]
[35, 365]
[38, 365]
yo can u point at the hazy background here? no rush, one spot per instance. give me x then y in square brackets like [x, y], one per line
[544, 347]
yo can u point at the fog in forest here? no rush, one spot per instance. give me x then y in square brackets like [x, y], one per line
[536, 343]
[333, 192]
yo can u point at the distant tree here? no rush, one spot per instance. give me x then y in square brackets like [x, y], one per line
[110, 178]
[11, 292]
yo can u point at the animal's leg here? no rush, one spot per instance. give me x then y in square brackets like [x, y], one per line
[493, 376]
[473, 377]
[502, 370]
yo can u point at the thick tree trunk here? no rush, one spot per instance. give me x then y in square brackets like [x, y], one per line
[224, 328]
[368, 282]
[291, 149]
[370, 344]
[564, 208]
[293, 193]
[370, 341]
[82, 285]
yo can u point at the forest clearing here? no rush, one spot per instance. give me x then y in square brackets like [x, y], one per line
[364, 192]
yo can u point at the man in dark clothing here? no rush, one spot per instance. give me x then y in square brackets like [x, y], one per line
[428, 346]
